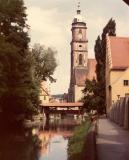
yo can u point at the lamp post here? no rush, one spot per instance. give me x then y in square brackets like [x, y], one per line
[118, 97]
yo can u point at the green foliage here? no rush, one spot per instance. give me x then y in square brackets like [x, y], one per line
[77, 144]
[95, 91]
[19, 144]
[18, 88]
[44, 62]
[100, 49]
[13, 25]
[92, 97]
[100, 55]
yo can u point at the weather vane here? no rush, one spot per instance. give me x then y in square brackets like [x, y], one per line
[79, 5]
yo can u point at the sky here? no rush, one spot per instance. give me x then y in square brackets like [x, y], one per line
[50, 23]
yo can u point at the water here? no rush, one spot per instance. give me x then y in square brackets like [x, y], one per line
[47, 142]
[55, 139]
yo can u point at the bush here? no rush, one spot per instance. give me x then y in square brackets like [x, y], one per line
[77, 143]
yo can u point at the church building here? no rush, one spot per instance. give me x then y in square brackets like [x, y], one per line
[82, 68]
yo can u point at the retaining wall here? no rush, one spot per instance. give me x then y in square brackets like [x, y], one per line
[119, 112]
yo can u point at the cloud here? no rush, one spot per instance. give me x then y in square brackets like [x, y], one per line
[47, 29]
[46, 23]
[50, 23]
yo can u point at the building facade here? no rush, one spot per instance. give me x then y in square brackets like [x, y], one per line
[117, 69]
[79, 58]
[44, 93]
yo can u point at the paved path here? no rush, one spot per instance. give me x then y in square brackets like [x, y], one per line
[112, 141]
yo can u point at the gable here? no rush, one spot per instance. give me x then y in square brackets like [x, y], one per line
[119, 50]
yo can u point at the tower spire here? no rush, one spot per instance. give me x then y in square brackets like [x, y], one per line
[78, 8]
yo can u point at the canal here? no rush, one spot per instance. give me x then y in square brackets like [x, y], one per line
[47, 142]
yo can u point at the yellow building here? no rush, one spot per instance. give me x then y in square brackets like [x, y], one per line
[44, 94]
[117, 69]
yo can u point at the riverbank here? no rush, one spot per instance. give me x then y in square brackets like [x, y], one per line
[36, 120]
[82, 140]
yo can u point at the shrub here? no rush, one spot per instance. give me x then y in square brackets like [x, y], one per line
[76, 145]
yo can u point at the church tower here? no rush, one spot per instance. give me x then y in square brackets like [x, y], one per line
[79, 57]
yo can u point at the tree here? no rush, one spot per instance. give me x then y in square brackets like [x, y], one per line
[92, 99]
[44, 62]
[95, 91]
[18, 89]
[100, 55]
[100, 49]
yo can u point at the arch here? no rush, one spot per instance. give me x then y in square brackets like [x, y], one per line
[80, 59]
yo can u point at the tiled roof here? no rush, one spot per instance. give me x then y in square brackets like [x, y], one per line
[91, 65]
[119, 49]
[64, 104]
[80, 76]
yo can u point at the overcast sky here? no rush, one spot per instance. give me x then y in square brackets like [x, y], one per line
[50, 22]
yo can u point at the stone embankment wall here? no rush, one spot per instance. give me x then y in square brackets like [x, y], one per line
[119, 113]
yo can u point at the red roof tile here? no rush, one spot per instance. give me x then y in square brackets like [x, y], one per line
[76, 104]
[119, 52]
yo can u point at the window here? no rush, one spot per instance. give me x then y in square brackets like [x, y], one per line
[126, 82]
[110, 88]
[44, 97]
[80, 34]
[80, 31]
[80, 59]
[80, 45]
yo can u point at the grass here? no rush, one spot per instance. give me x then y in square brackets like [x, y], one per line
[77, 143]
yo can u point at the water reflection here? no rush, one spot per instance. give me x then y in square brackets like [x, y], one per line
[19, 145]
[55, 138]
[47, 142]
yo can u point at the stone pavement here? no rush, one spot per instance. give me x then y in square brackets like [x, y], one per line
[112, 141]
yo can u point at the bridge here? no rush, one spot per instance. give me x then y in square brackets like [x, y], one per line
[64, 105]
[62, 108]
